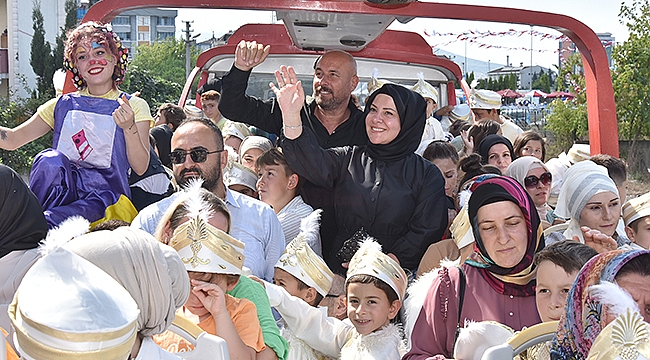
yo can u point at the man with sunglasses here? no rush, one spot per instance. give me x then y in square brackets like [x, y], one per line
[197, 152]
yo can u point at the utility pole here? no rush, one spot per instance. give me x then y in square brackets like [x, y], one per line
[188, 43]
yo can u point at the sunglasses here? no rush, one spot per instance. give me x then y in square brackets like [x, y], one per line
[198, 155]
[532, 181]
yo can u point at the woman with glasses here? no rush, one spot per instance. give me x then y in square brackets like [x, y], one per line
[533, 175]
[384, 187]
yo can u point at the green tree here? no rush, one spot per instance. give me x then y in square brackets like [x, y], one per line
[165, 59]
[70, 23]
[470, 77]
[543, 82]
[568, 119]
[13, 112]
[631, 78]
[153, 89]
[41, 58]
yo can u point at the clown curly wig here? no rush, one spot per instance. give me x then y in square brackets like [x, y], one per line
[102, 35]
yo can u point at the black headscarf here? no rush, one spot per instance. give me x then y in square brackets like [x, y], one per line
[411, 108]
[491, 140]
[22, 223]
[518, 280]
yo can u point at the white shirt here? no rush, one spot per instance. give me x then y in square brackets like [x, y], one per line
[331, 336]
[510, 130]
[149, 350]
[291, 215]
[253, 222]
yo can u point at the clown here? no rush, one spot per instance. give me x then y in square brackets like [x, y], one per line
[99, 134]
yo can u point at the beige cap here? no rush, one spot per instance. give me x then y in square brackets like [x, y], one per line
[579, 152]
[425, 89]
[636, 208]
[238, 174]
[236, 129]
[460, 112]
[484, 99]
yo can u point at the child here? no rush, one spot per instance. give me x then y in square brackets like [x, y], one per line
[100, 134]
[278, 186]
[636, 214]
[375, 288]
[234, 133]
[214, 262]
[251, 148]
[210, 106]
[303, 274]
[239, 178]
[557, 267]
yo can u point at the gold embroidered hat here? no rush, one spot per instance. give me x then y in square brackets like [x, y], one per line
[370, 260]
[68, 308]
[460, 112]
[636, 208]
[204, 248]
[201, 246]
[484, 99]
[425, 89]
[625, 338]
[302, 262]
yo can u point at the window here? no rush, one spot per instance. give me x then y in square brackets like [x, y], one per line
[143, 36]
[165, 20]
[121, 20]
[124, 35]
[165, 34]
[143, 20]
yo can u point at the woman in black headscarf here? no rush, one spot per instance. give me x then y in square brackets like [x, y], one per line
[383, 187]
[496, 150]
[22, 226]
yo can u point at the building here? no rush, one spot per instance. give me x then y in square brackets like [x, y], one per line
[16, 72]
[143, 26]
[524, 74]
[567, 47]
[213, 41]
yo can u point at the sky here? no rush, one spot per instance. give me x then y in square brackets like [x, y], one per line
[600, 15]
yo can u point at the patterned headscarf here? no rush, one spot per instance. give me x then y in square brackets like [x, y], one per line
[102, 35]
[584, 318]
[518, 280]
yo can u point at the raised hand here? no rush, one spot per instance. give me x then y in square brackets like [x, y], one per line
[124, 116]
[289, 92]
[249, 54]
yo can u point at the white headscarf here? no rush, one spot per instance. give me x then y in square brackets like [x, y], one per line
[151, 272]
[519, 169]
[581, 182]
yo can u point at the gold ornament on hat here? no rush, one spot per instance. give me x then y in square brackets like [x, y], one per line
[197, 233]
[370, 260]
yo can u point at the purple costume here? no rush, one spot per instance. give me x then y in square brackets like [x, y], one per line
[87, 169]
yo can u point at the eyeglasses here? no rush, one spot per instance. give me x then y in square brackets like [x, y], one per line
[532, 181]
[198, 155]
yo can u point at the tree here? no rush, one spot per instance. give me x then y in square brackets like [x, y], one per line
[568, 119]
[470, 77]
[41, 58]
[543, 82]
[165, 58]
[153, 89]
[631, 78]
[70, 23]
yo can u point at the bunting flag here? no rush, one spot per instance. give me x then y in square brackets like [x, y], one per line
[471, 36]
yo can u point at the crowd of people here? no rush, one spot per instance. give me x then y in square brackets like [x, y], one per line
[307, 227]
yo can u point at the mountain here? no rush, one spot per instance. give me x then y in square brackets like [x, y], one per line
[479, 67]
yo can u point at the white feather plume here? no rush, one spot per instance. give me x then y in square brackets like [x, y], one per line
[69, 229]
[309, 226]
[474, 84]
[617, 299]
[476, 337]
[420, 76]
[194, 203]
[375, 73]
[369, 243]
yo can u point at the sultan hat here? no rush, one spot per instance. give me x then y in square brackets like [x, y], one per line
[302, 262]
[636, 208]
[370, 260]
[484, 99]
